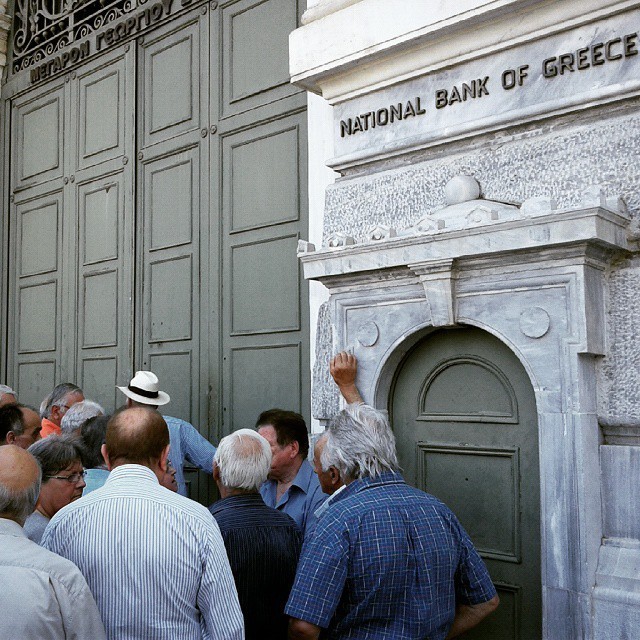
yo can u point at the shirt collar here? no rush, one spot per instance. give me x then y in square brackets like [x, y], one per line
[385, 478]
[240, 500]
[11, 528]
[128, 471]
[329, 501]
[303, 477]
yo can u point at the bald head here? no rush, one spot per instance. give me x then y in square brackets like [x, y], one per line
[19, 483]
[136, 436]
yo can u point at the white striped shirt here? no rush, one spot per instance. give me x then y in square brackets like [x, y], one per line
[154, 560]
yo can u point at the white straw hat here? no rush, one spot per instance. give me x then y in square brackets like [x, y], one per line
[143, 388]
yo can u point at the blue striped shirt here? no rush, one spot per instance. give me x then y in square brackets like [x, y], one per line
[387, 561]
[187, 443]
[154, 560]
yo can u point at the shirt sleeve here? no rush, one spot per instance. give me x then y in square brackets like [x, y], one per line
[321, 575]
[196, 449]
[472, 580]
[218, 598]
[79, 612]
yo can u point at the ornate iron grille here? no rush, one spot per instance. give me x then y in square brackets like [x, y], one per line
[42, 27]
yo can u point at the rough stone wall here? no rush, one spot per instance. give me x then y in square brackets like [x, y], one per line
[558, 159]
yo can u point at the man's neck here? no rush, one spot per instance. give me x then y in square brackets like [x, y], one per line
[291, 473]
[226, 492]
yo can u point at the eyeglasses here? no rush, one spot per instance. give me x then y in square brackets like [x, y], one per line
[74, 478]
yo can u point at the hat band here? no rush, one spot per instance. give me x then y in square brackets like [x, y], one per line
[143, 392]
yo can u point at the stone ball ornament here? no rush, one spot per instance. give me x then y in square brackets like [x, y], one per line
[461, 189]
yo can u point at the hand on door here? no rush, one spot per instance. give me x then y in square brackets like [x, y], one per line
[344, 369]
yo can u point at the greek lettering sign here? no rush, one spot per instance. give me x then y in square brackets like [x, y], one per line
[593, 64]
[47, 42]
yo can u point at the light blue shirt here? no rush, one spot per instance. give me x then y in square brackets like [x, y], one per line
[186, 443]
[301, 499]
[94, 479]
[154, 560]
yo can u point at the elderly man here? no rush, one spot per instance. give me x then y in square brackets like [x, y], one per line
[78, 414]
[386, 560]
[292, 486]
[7, 395]
[154, 560]
[19, 425]
[56, 404]
[186, 441]
[43, 596]
[263, 544]
[330, 481]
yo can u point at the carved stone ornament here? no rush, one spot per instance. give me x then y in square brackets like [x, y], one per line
[368, 334]
[380, 232]
[534, 322]
[305, 247]
[339, 240]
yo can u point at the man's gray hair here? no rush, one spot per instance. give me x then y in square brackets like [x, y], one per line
[360, 443]
[19, 505]
[244, 460]
[55, 453]
[56, 397]
[6, 389]
[78, 414]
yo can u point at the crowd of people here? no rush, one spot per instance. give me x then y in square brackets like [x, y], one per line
[98, 539]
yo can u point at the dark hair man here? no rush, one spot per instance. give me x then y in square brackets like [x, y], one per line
[56, 404]
[138, 544]
[263, 544]
[385, 560]
[43, 595]
[292, 486]
[19, 425]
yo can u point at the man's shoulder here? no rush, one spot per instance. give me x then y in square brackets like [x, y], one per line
[176, 423]
[31, 556]
[240, 512]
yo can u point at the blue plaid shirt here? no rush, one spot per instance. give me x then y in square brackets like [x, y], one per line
[387, 561]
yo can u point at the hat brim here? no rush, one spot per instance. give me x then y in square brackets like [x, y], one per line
[163, 398]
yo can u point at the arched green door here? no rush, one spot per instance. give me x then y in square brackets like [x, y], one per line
[464, 414]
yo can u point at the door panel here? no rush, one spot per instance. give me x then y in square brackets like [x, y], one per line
[173, 183]
[101, 235]
[172, 78]
[264, 294]
[255, 60]
[37, 135]
[465, 418]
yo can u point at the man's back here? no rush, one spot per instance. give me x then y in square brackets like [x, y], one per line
[43, 596]
[263, 546]
[155, 561]
[387, 561]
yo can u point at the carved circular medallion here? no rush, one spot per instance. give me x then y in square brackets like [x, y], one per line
[368, 334]
[534, 322]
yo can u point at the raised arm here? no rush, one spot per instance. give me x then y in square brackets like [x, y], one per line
[344, 368]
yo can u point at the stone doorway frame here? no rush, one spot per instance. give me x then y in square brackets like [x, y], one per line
[536, 279]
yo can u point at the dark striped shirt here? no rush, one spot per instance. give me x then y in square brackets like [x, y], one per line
[263, 546]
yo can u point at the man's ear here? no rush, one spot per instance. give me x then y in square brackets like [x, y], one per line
[295, 448]
[216, 471]
[105, 455]
[10, 438]
[334, 475]
[164, 458]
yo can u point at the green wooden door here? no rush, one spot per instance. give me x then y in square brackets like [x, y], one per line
[158, 192]
[464, 413]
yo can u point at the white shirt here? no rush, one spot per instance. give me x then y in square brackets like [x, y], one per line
[43, 596]
[154, 560]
